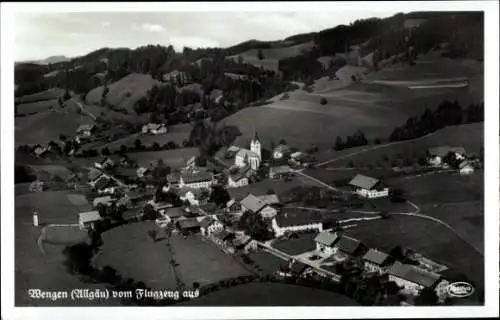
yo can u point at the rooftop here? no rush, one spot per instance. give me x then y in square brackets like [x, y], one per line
[193, 176]
[269, 199]
[174, 212]
[89, 216]
[280, 169]
[298, 218]
[253, 203]
[414, 274]
[348, 245]
[104, 200]
[282, 148]
[327, 238]
[188, 223]
[364, 182]
[375, 256]
[207, 221]
[225, 235]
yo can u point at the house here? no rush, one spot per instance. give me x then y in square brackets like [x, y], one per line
[141, 172]
[436, 155]
[412, 278]
[325, 242]
[350, 247]
[174, 179]
[193, 211]
[297, 268]
[173, 214]
[158, 206]
[195, 197]
[154, 128]
[244, 243]
[196, 179]
[296, 220]
[377, 261]
[369, 187]
[270, 199]
[233, 206]
[465, 168]
[281, 151]
[239, 177]
[107, 190]
[85, 130]
[40, 151]
[135, 196]
[106, 201]
[209, 225]
[93, 175]
[224, 239]
[87, 220]
[279, 172]
[188, 225]
[100, 183]
[255, 205]
[104, 163]
[191, 163]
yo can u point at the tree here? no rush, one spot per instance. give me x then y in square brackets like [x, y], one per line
[397, 253]
[260, 55]
[397, 195]
[156, 146]
[339, 145]
[282, 141]
[123, 149]
[451, 159]
[62, 137]
[255, 226]
[138, 144]
[105, 151]
[220, 196]
[426, 297]
[323, 101]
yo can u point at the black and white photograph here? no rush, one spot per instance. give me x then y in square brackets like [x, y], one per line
[259, 155]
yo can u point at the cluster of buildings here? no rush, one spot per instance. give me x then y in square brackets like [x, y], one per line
[436, 157]
[154, 128]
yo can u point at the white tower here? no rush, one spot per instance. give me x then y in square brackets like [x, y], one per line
[255, 146]
[35, 218]
[254, 162]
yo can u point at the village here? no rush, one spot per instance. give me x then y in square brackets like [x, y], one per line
[195, 201]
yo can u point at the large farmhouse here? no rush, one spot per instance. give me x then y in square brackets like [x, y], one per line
[255, 205]
[411, 278]
[369, 187]
[297, 220]
[87, 220]
[196, 179]
[377, 261]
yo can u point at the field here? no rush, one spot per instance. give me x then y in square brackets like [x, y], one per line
[53, 170]
[177, 134]
[271, 294]
[131, 251]
[203, 262]
[125, 92]
[47, 125]
[469, 136]
[280, 187]
[50, 94]
[426, 237]
[374, 108]
[33, 269]
[64, 235]
[266, 261]
[173, 158]
[35, 107]
[99, 111]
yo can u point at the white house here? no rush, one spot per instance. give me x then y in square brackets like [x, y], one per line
[325, 242]
[296, 220]
[255, 205]
[465, 168]
[281, 151]
[209, 226]
[141, 172]
[87, 220]
[411, 278]
[104, 163]
[154, 128]
[239, 177]
[85, 130]
[234, 207]
[195, 197]
[196, 179]
[377, 261]
[279, 171]
[436, 155]
[369, 187]
[106, 200]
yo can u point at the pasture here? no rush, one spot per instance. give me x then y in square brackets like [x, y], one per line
[125, 92]
[469, 136]
[173, 158]
[202, 261]
[52, 170]
[34, 269]
[427, 237]
[271, 294]
[30, 108]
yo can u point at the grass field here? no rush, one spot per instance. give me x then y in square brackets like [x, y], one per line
[125, 92]
[469, 136]
[47, 125]
[50, 94]
[53, 170]
[426, 237]
[174, 158]
[304, 243]
[35, 107]
[33, 269]
[131, 251]
[202, 261]
[64, 235]
[271, 294]
[266, 261]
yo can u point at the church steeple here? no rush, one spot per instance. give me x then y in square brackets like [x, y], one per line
[255, 136]
[255, 146]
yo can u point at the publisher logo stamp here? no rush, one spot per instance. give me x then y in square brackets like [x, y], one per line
[460, 289]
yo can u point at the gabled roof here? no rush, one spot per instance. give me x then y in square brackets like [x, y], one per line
[252, 203]
[89, 216]
[292, 217]
[174, 212]
[232, 202]
[94, 174]
[327, 238]
[270, 199]
[348, 245]
[188, 223]
[207, 221]
[364, 182]
[414, 274]
[444, 150]
[375, 256]
[282, 148]
[85, 127]
[245, 153]
[102, 182]
[193, 176]
[104, 200]
[280, 169]
[298, 267]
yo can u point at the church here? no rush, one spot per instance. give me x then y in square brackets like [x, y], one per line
[247, 157]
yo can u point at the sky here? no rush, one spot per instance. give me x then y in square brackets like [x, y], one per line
[41, 35]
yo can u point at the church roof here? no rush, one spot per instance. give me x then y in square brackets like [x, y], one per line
[245, 153]
[255, 135]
